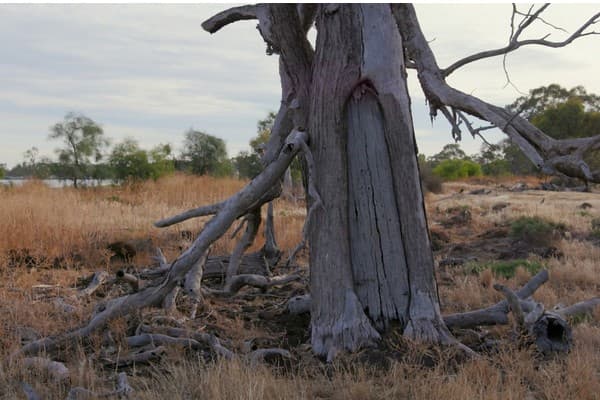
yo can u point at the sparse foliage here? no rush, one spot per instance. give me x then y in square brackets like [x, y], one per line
[83, 141]
[130, 162]
[206, 154]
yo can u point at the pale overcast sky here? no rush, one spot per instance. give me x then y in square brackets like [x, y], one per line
[151, 72]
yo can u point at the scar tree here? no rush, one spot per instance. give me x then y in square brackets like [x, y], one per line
[345, 108]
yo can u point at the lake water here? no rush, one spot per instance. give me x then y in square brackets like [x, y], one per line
[58, 183]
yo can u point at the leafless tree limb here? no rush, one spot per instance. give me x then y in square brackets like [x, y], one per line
[189, 214]
[250, 197]
[582, 307]
[514, 42]
[230, 16]
[552, 156]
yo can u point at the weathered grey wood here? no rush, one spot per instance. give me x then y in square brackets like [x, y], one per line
[29, 392]
[550, 155]
[258, 356]
[376, 245]
[97, 280]
[192, 284]
[252, 224]
[496, 314]
[170, 301]
[207, 339]
[57, 370]
[338, 321]
[583, 307]
[248, 198]
[552, 334]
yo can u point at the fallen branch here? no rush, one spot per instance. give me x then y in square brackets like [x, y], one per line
[496, 314]
[209, 340]
[97, 280]
[57, 370]
[250, 197]
[259, 281]
[258, 356]
[583, 307]
[252, 224]
[133, 281]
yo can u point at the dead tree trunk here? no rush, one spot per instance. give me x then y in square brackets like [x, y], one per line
[371, 260]
[346, 107]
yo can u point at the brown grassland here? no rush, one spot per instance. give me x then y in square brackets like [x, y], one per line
[55, 236]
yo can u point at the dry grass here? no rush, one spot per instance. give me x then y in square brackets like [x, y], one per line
[78, 224]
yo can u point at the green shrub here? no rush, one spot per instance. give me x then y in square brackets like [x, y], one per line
[457, 169]
[496, 168]
[535, 230]
[505, 269]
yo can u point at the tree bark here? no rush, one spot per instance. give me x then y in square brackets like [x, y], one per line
[371, 259]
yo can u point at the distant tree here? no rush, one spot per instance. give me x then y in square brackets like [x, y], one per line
[247, 164]
[544, 97]
[129, 162]
[263, 129]
[83, 140]
[450, 151]
[2, 170]
[162, 163]
[492, 160]
[35, 166]
[206, 154]
[561, 114]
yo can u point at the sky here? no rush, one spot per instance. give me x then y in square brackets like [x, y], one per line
[151, 72]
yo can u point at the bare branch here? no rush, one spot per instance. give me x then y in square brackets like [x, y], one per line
[513, 301]
[260, 355]
[495, 314]
[582, 307]
[230, 16]
[550, 155]
[314, 196]
[514, 42]
[252, 225]
[189, 214]
[250, 197]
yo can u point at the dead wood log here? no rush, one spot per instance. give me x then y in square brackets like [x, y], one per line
[193, 283]
[57, 370]
[207, 339]
[132, 280]
[583, 307]
[260, 355]
[142, 357]
[29, 392]
[170, 302]
[257, 263]
[257, 281]
[549, 331]
[97, 280]
[253, 195]
[496, 314]
[157, 339]
[298, 304]
[252, 224]
[552, 334]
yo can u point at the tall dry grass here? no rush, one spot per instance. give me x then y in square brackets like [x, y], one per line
[50, 222]
[57, 222]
